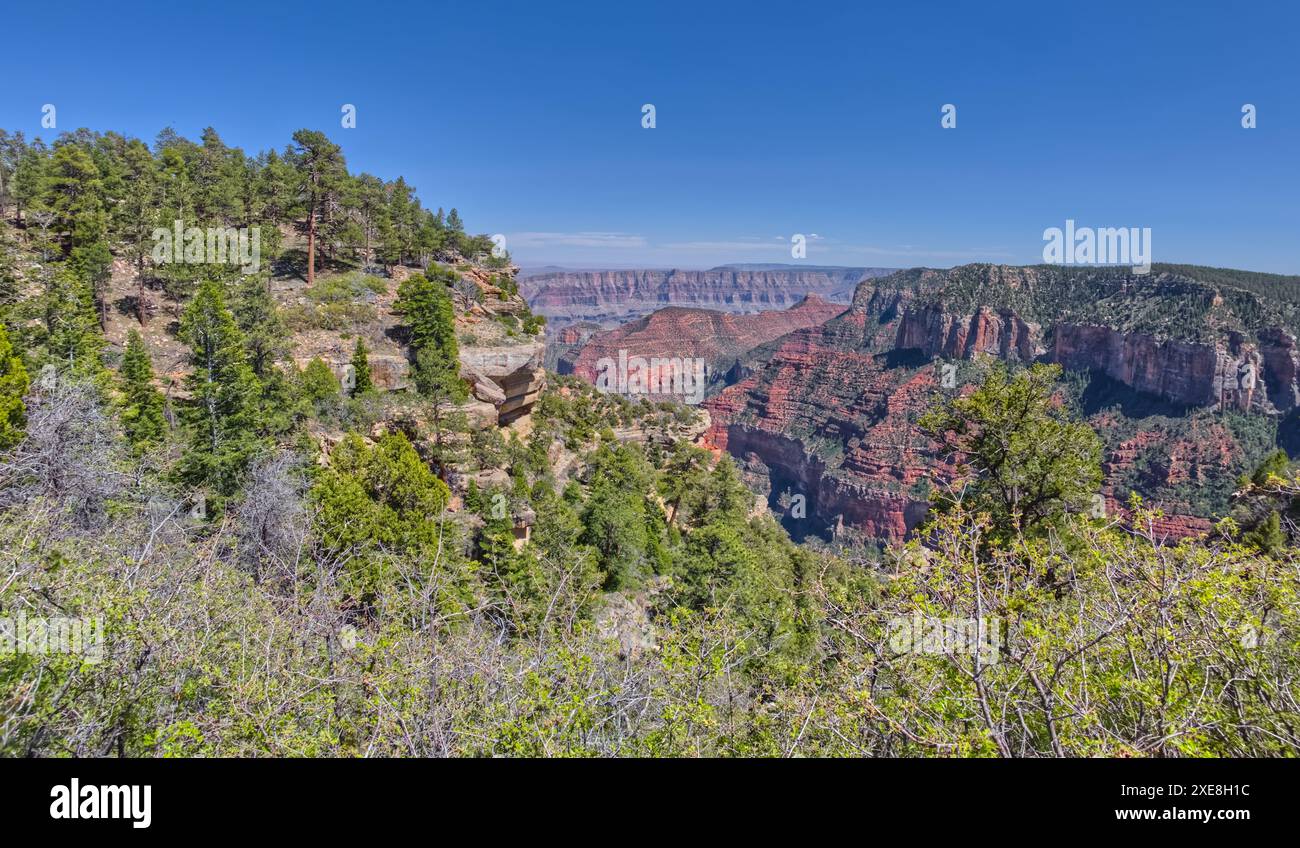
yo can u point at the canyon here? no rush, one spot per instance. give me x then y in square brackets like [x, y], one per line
[610, 297]
[827, 410]
[719, 338]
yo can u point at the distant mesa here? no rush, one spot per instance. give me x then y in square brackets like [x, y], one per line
[611, 296]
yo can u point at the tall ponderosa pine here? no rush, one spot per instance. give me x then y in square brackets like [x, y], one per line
[29, 178]
[74, 192]
[139, 217]
[320, 168]
[142, 404]
[221, 414]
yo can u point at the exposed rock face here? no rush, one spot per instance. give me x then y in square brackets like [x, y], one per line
[828, 419]
[1281, 367]
[1000, 333]
[718, 338]
[615, 296]
[829, 412]
[509, 376]
[1187, 373]
[563, 345]
[389, 373]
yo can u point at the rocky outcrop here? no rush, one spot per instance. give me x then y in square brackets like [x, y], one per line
[829, 412]
[1281, 358]
[1187, 373]
[1001, 333]
[563, 345]
[615, 296]
[718, 338]
[510, 377]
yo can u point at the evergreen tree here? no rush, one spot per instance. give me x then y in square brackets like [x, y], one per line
[320, 170]
[266, 339]
[8, 280]
[455, 235]
[138, 212]
[426, 306]
[318, 382]
[1032, 464]
[29, 178]
[362, 381]
[142, 404]
[72, 332]
[13, 387]
[74, 193]
[378, 499]
[1267, 536]
[618, 521]
[221, 416]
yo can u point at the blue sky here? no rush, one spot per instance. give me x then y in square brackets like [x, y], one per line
[772, 119]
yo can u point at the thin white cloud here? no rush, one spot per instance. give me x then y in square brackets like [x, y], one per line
[617, 248]
[718, 245]
[914, 251]
[621, 241]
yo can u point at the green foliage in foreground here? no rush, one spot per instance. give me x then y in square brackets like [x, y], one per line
[343, 611]
[1032, 464]
[13, 385]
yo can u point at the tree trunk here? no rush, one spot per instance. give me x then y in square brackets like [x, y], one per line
[139, 295]
[311, 245]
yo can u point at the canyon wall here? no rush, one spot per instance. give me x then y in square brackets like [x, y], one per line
[718, 338]
[1000, 333]
[829, 412]
[614, 296]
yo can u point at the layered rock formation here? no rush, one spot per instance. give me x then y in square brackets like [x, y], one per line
[829, 412]
[719, 338]
[1000, 333]
[615, 296]
[510, 377]
[502, 366]
[564, 343]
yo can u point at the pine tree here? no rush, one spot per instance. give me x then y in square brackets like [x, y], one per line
[320, 168]
[221, 415]
[265, 335]
[455, 235]
[13, 387]
[8, 280]
[142, 404]
[139, 217]
[1267, 535]
[318, 383]
[426, 305]
[362, 381]
[29, 177]
[73, 338]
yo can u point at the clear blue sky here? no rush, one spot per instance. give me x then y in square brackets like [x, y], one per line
[772, 119]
